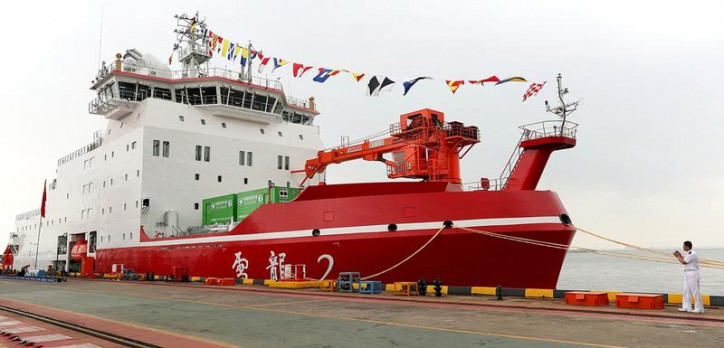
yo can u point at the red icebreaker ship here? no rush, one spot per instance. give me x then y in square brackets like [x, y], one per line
[371, 227]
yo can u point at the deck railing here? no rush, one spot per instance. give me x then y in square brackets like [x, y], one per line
[164, 72]
[552, 128]
[81, 151]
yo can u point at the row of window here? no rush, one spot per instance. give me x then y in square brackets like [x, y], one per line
[48, 222]
[88, 188]
[223, 125]
[108, 237]
[88, 164]
[88, 213]
[195, 96]
[219, 178]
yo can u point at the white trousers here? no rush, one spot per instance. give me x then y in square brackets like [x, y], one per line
[691, 288]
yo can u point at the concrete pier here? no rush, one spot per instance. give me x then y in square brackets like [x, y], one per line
[190, 315]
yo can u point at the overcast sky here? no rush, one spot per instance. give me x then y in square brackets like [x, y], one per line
[647, 168]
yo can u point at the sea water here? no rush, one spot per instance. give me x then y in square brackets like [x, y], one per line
[584, 271]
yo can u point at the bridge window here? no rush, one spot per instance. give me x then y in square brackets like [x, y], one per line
[162, 93]
[242, 158]
[181, 97]
[236, 98]
[259, 103]
[156, 147]
[166, 148]
[127, 90]
[270, 103]
[198, 152]
[247, 100]
[286, 162]
[143, 92]
[249, 157]
[224, 95]
[208, 95]
[194, 95]
[280, 161]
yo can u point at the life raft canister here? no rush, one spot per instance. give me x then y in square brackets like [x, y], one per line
[79, 250]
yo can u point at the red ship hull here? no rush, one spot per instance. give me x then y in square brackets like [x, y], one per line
[354, 223]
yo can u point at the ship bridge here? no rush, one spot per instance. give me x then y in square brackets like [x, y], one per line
[134, 77]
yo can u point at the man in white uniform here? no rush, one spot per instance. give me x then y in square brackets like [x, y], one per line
[691, 279]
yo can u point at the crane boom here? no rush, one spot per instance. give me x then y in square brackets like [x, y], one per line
[422, 144]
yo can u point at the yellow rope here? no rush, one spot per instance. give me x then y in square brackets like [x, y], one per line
[653, 251]
[668, 259]
[407, 258]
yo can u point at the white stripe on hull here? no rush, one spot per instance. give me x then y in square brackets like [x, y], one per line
[356, 230]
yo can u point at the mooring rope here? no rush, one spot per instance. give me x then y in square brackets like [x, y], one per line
[409, 257]
[668, 259]
[653, 251]
[663, 257]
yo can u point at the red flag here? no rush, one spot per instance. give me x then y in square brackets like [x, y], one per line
[483, 81]
[45, 197]
[299, 69]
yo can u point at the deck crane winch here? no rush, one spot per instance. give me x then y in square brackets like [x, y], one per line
[422, 144]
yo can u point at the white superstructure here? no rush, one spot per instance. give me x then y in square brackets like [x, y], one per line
[172, 140]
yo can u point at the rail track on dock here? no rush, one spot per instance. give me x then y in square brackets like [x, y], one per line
[106, 336]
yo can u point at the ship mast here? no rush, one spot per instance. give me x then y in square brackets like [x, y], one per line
[192, 43]
[563, 110]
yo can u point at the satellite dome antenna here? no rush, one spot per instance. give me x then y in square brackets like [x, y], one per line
[193, 45]
[564, 109]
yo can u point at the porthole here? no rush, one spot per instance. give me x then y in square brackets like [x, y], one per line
[315, 232]
[392, 227]
[448, 224]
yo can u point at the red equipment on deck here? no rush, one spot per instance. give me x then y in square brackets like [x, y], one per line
[422, 144]
[640, 301]
[7, 258]
[79, 251]
[585, 298]
[87, 266]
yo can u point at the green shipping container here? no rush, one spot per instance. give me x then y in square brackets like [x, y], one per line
[219, 210]
[248, 201]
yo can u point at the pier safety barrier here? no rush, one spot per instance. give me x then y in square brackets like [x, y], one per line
[668, 298]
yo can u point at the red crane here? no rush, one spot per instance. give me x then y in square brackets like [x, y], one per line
[422, 144]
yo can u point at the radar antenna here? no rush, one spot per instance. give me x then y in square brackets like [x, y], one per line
[563, 110]
[192, 43]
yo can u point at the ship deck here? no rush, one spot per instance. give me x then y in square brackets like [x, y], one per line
[189, 315]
